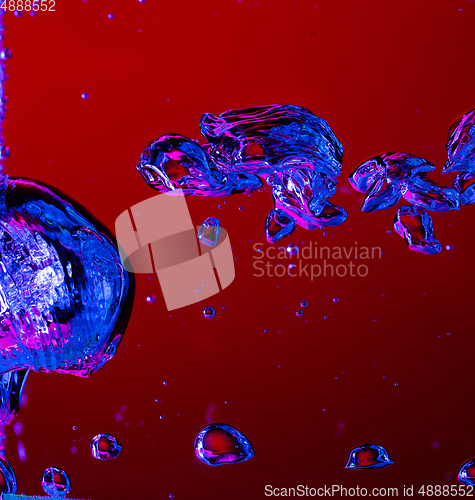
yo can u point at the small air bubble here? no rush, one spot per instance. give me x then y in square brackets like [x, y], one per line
[209, 312]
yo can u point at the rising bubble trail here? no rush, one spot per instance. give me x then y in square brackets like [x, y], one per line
[387, 178]
[290, 148]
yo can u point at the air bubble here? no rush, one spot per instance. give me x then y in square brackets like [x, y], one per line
[55, 482]
[209, 312]
[368, 456]
[466, 473]
[219, 444]
[105, 447]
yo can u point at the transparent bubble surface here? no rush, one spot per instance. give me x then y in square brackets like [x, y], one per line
[7, 478]
[461, 144]
[65, 298]
[209, 232]
[291, 147]
[105, 447]
[5, 54]
[209, 312]
[466, 473]
[55, 482]
[368, 456]
[464, 183]
[414, 224]
[219, 444]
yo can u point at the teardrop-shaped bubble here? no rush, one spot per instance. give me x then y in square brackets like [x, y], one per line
[65, 297]
[105, 447]
[292, 149]
[219, 444]
[461, 144]
[56, 482]
[466, 473]
[7, 478]
[368, 456]
[209, 232]
[278, 225]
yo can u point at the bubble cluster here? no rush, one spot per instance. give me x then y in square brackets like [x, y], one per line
[209, 232]
[368, 456]
[289, 147]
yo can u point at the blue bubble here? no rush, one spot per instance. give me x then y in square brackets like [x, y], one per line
[56, 482]
[209, 312]
[220, 444]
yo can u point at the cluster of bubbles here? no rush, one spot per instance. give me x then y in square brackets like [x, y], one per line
[291, 149]
[55, 481]
[5, 54]
[388, 177]
[216, 444]
[299, 156]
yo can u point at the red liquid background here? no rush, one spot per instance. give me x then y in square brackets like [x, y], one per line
[387, 76]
